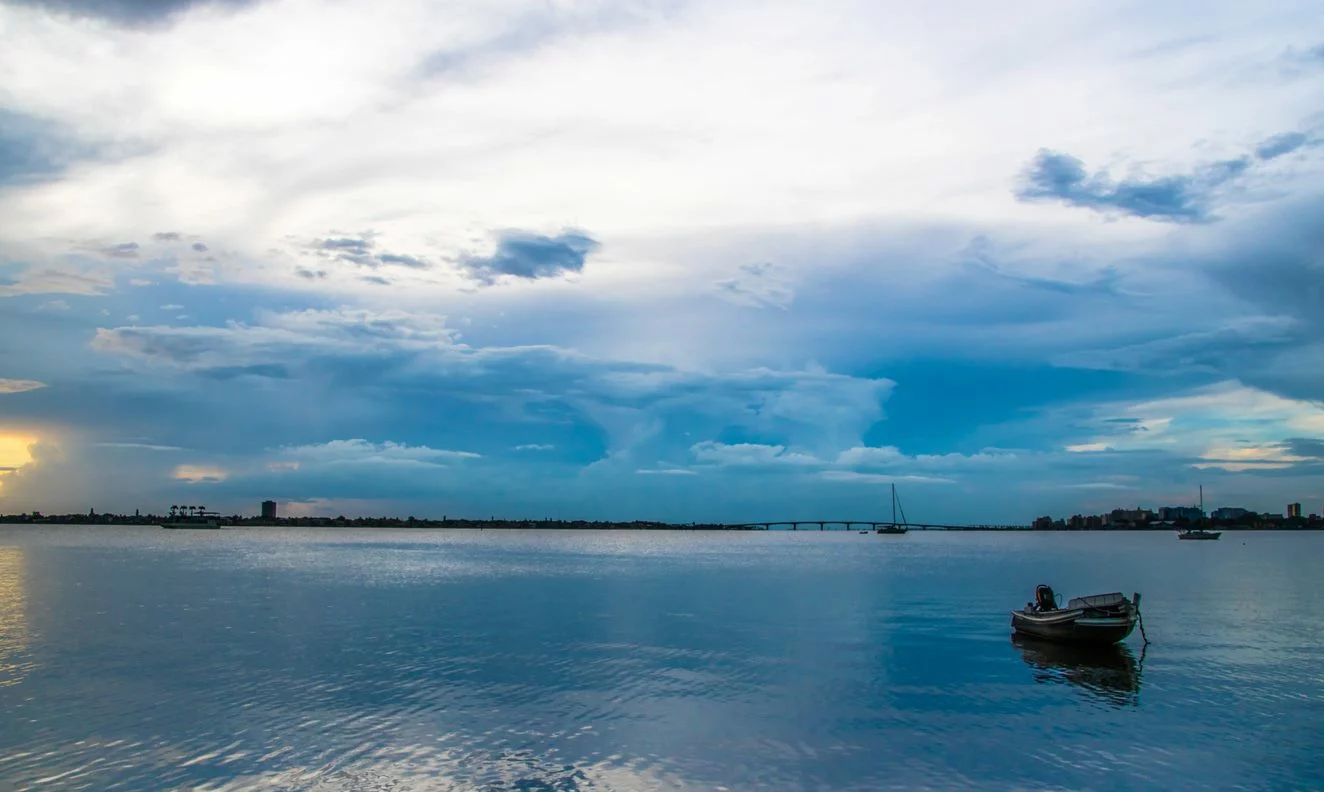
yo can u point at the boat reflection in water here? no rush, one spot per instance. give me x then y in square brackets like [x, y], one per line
[1109, 673]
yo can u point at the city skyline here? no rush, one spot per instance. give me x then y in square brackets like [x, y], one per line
[660, 260]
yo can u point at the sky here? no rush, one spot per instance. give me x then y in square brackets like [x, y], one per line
[722, 261]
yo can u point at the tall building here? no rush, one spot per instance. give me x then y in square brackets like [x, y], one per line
[1293, 510]
[268, 510]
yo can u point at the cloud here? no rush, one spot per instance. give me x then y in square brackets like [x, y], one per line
[535, 447]
[749, 455]
[892, 458]
[1227, 425]
[32, 149]
[357, 452]
[528, 256]
[122, 250]
[1278, 145]
[665, 472]
[640, 411]
[172, 307]
[19, 386]
[361, 251]
[1055, 176]
[855, 477]
[198, 247]
[381, 141]
[200, 474]
[412, 262]
[299, 337]
[981, 254]
[141, 446]
[1313, 56]
[129, 12]
[1304, 447]
[758, 285]
[91, 283]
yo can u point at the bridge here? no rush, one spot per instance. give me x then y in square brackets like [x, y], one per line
[850, 525]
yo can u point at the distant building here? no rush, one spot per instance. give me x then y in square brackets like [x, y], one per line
[1189, 513]
[1293, 511]
[268, 510]
[1128, 517]
[1229, 513]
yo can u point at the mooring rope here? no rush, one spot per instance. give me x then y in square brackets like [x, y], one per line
[1141, 616]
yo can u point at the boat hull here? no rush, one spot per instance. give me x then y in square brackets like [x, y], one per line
[890, 529]
[1073, 627]
[1202, 536]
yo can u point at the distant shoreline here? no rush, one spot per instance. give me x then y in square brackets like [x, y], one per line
[612, 525]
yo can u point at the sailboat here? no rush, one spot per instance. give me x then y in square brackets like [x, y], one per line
[1199, 533]
[895, 527]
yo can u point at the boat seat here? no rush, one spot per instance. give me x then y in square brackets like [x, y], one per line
[1098, 601]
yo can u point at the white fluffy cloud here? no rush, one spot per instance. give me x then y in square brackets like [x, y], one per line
[19, 386]
[363, 452]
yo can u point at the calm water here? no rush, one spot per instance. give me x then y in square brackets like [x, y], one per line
[147, 659]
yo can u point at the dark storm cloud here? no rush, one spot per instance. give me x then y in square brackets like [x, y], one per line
[1055, 176]
[377, 279]
[129, 12]
[520, 254]
[199, 247]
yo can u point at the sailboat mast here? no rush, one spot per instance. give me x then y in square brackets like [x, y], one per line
[1202, 500]
[894, 503]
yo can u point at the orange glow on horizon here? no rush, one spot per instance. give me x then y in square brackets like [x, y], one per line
[15, 452]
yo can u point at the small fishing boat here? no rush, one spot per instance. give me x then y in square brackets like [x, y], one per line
[893, 527]
[1096, 619]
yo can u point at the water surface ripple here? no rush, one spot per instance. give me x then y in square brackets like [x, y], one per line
[411, 660]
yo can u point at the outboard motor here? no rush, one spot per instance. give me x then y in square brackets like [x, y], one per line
[1044, 599]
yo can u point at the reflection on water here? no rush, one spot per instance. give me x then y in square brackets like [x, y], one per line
[13, 617]
[564, 661]
[1107, 673]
